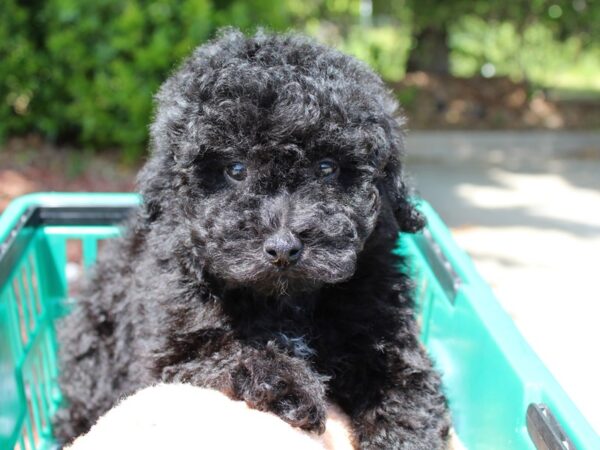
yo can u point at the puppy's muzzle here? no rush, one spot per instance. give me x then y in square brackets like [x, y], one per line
[283, 248]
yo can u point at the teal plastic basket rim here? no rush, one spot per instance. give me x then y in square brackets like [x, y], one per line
[16, 208]
[41, 209]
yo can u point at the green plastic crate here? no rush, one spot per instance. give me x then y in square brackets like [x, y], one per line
[501, 395]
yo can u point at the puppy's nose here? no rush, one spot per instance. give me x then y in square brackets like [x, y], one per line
[283, 248]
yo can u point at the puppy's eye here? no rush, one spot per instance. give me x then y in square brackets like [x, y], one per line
[327, 168]
[236, 171]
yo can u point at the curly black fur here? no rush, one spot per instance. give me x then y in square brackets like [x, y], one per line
[189, 294]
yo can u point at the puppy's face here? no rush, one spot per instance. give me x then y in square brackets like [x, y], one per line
[271, 172]
[282, 216]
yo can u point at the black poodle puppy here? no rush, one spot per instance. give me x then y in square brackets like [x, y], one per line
[260, 263]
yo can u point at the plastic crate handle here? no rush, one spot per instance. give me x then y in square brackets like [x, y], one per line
[545, 431]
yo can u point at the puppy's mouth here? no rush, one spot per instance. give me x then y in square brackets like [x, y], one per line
[284, 278]
[278, 279]
[281, 283]
[311, 268]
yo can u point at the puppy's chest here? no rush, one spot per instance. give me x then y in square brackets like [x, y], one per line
[322, 335]
[296, 334]
[299, 346]
[301, 337]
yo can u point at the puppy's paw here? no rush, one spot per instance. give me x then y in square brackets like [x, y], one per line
[283, 386]
[290, 402]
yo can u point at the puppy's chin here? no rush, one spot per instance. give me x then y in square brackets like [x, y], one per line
[284, 286]
[285, 282]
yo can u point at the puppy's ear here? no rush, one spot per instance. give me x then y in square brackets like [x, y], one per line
[394, 190]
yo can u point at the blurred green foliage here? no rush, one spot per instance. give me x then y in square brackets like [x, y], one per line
[84, 72]
[530, 54]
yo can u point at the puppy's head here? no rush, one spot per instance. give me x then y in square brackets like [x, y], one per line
[273, 160]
